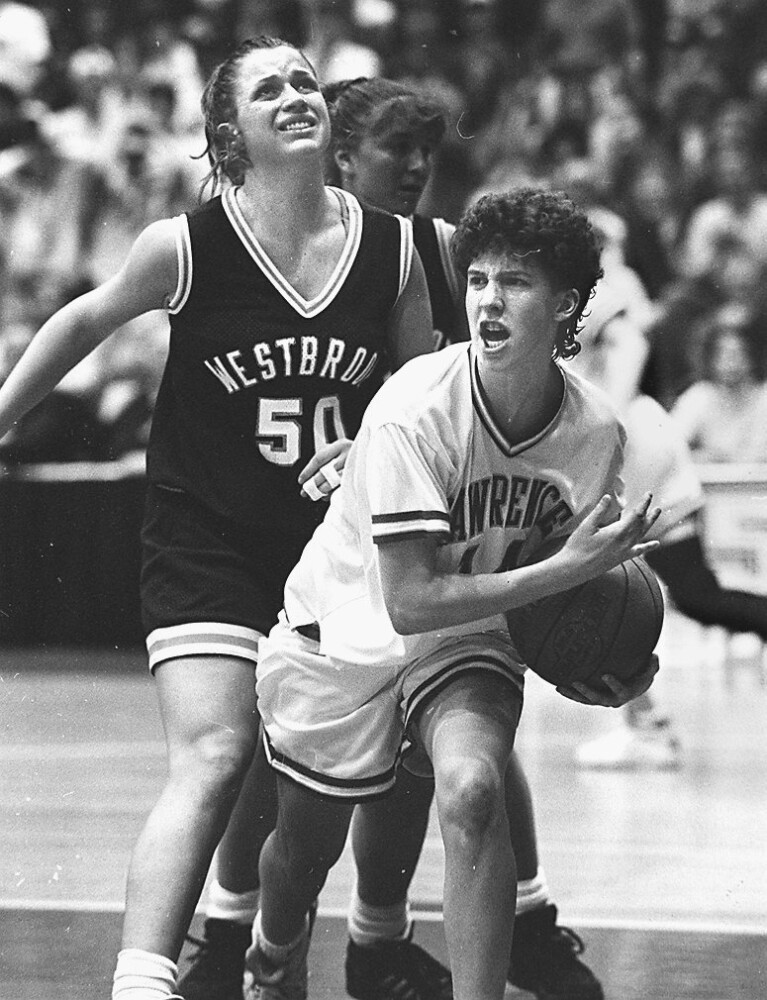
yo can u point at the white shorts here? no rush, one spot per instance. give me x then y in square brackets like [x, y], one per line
[338, 728]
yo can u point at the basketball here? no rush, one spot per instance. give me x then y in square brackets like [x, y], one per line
[610, 624]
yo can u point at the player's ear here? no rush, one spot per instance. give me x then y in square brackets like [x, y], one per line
[343, 160]
[568, 304]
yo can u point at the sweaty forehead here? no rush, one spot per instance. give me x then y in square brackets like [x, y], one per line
[499, 258]
[282, 61]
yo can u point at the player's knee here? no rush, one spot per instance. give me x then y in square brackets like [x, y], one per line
[470, 796]
[215, 760]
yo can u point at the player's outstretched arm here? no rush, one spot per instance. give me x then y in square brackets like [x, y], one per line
[145, 282]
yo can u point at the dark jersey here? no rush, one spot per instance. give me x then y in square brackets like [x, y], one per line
[259, 378]
[432, 241]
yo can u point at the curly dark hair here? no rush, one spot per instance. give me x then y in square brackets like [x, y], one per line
[225, 151]
[547, 222]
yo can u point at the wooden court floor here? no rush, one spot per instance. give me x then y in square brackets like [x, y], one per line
[664, 875]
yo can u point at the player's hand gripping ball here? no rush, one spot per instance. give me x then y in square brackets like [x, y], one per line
[609, 625]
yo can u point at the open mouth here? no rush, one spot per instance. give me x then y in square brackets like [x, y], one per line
[493, 335]
[298, 125]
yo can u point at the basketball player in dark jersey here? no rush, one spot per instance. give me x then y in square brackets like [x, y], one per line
[288, 305]
[384, 136]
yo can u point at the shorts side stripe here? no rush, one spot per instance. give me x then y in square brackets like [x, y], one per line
[202, 639]
[465, 665]
[356, 789]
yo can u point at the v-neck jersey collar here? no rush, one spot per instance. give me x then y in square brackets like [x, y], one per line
[307, 308]
[494, 429]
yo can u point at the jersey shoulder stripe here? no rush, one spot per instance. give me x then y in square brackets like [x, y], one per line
[184, 259]
[406, 250]
[444, 230]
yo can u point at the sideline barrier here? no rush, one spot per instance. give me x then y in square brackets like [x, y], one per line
[70, 553]
[736, 523]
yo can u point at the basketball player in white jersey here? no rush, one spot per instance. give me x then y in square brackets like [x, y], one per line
[384, 136]
[393, 640]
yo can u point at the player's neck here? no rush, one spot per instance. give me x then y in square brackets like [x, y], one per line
[524, 404]
[291, 203]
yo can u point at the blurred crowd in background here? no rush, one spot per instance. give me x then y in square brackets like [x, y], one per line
[652, 113]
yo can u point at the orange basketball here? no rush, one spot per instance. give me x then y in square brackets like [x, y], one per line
[609, 625]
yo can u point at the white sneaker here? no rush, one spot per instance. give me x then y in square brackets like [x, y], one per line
[653, 748]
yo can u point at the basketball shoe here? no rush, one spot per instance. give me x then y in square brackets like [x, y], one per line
[639, 745]
[267, 980]
[395, 970]
[217, 964]
[545, 959]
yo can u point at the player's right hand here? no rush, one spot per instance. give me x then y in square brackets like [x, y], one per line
[618, 692]
[322, 473]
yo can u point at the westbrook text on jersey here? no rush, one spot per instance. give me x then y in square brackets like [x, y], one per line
[292, 356]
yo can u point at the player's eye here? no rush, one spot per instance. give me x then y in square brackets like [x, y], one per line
[265, 91]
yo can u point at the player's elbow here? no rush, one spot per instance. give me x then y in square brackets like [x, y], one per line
[405, 613]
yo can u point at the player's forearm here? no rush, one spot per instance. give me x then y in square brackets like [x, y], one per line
[57, 347]
[450, 599]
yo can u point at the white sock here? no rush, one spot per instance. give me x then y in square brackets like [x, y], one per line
[532, 893]
[237, 907]
[369, 924]
[276, 953]
[140, 975]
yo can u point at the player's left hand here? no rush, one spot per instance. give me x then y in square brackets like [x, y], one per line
[322, 473]
[619, 692]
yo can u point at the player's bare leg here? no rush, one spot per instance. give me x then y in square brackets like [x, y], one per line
[296, 858]
[208, 712]
[251, 822]
[384, 876]
[387, 836]
[216, 961]
[468, 731]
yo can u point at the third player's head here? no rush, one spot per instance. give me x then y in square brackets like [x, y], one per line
[542, 229]
[263, 100]
[383, 137]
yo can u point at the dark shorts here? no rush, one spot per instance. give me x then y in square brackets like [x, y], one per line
[209, 586]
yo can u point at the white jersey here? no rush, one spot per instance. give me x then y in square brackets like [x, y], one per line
[430, 459]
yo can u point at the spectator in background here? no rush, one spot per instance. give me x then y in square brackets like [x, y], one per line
[482, 64]
[421, 53]
[648, 200]
[331, 42]
[42, 198]
[86, 129]
[723, 417]
[25, 46]
[145, 180]
[737, 213]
